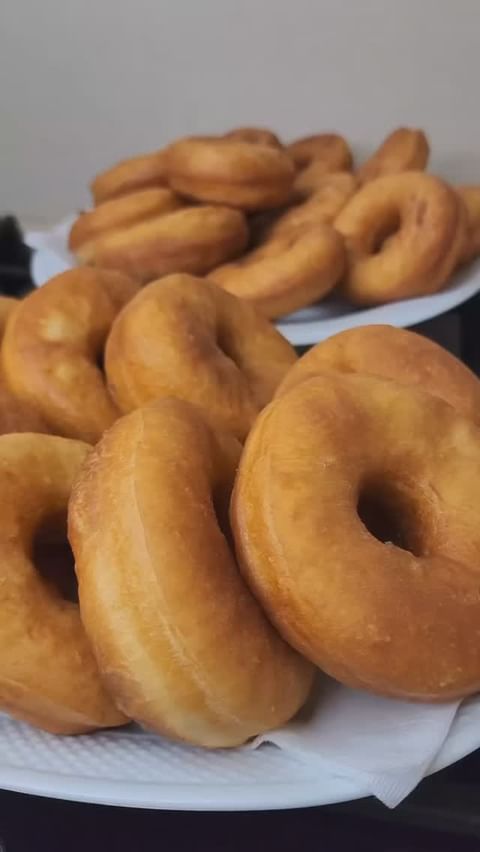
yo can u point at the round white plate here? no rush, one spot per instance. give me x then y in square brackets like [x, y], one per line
[135, 769]
[303, 327]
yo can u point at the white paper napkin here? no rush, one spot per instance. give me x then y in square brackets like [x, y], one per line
[385, 745]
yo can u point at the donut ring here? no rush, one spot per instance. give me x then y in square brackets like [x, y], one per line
[7, 305]
[288, 272]
[131, 175]
[48, 675]
[417, 259]
[254, 135]
[181, 642]
[116, 215]
[194, 239]
[403, 150]
[52, 345]
[225, 171]
[383, 495]
[15, 415]
[313, 179]
[183, 336]
[470, 195]
[322, 206]
[330, 149]
[392, 353]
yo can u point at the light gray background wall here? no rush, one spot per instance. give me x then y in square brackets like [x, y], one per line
[84, 82]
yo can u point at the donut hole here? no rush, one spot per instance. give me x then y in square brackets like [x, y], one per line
[53, 557]
[100, 360]
[387, 228]
[390, 514]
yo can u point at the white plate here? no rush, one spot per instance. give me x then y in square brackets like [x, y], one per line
[303, 327]
[135, 769]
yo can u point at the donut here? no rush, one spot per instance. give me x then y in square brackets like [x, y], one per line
[330, 149]
[194, 239]
[403, 150]
[116, 215]
[181, 642]
[48, 674]
[225, 171]
[356, 522]
[470, 196]
[7, 304]
[322, 206]
[254, 135]
[53, 348]
[392, 353]
[183, 336]
[131, 175]
[288, 272]
[313, 179]
[403, 235]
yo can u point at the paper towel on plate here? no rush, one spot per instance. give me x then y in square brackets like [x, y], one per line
[384, 744]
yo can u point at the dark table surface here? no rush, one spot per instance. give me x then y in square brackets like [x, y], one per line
[442, 814]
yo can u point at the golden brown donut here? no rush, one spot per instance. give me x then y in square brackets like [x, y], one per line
[226, 171]
[255, 135]
[180, 640]
[313, 179]
[132, 175]
[330, 149]
[195, 239]
[403, 235]
[183, 336]
[15, 415]
[48, 674]
[288, 272]
[323, 205]
[392, 353]
[470, 196]
[53, 347]
[117, 215]
[403, 150]
[7, 304]
[369, 561]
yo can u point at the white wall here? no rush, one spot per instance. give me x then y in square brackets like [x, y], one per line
[84, 82]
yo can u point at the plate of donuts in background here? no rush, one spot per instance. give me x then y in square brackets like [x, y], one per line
[230, 577]
[315, 243]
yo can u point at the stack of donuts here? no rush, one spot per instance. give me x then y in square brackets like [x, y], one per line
[241, 520]
[283, 226]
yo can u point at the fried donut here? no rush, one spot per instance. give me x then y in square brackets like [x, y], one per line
[322, 206]
[254, 135]
[116, 215]
[225, 171]
[183, 336]
[48, 674]
[356, 523]
[403, 235]
[195, 239]
[15, 415]
[53, 345]
[132, 175]
[181, 642]
[330, 149]
[7, 304]
[392, 353]
[403, 150]
[289, 271]
[470, 196]
[313, 179]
